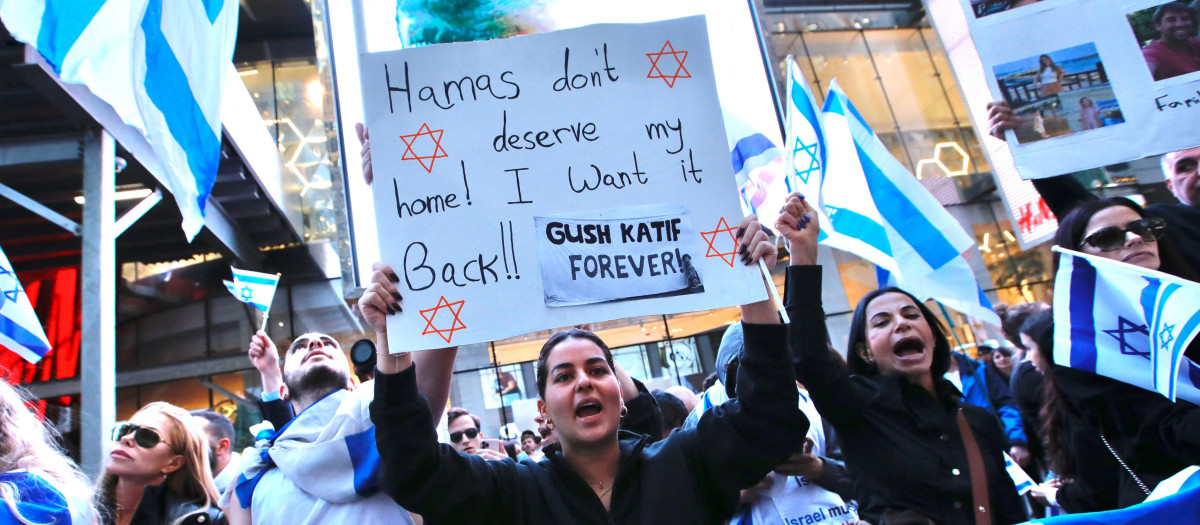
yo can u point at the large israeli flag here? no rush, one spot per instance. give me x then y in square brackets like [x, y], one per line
[1175, 500]
[879, 211]
[20, 330]
[1126, 322]
[253, 288]
[160, 64]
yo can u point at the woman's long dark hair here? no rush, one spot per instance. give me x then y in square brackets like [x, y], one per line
[1072, 227]
[858, 336]
[1052, 414]
[558, 337]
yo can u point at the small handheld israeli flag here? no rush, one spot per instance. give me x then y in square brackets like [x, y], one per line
[20, 330]
[1127, 323]
[253, 288]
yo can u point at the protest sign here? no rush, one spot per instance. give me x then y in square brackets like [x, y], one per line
[1096, 82]
[548, 180]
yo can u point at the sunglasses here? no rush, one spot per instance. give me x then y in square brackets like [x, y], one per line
[144, 437]
[455, 437]
[1112, 238]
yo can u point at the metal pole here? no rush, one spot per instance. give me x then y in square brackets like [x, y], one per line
[98, 337]
[499, 387]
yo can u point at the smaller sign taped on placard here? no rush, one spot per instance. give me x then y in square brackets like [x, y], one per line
[617, 255]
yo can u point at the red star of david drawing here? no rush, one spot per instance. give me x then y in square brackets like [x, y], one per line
[446, 333]
[680, 71]
[711, 239]
[434, 135]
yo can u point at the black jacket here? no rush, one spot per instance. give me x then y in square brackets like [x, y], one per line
[901, 443]
[1153, 436]
[693, 476]
[1027, 391]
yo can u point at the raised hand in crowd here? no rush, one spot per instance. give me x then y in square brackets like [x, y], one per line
[265, 358]
[1001, 118]
[797, 223]
[804, 463]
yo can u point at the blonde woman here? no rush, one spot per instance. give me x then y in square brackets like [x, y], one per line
[38, 483]
[158, 471]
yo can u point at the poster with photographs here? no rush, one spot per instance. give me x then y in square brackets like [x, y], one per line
[1092, 82]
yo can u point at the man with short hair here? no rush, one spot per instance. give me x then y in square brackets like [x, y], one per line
[222, 458]
[1176, 51]
[1182, 218]
[466, 434]
[321, 466]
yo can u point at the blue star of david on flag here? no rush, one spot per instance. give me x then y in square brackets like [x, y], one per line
[805, 160]
[1125, 328]
[10, 287]
[1166, 335]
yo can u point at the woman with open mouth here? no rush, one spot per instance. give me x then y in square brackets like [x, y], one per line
[918, 453]
[595, 474]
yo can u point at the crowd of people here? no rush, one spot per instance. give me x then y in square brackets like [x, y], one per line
[899, 429]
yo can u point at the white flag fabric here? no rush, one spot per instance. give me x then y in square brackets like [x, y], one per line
[879, 211]
[20, 330]
[159, 64]
[254, 288]
[1127, 323]
[758, 169]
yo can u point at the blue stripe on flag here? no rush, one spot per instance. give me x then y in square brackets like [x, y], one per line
[62, 23]
[858, 226]
[364, 456]
[882, 276]
[748, 148]
[1193, 373]
[1179, 348]
[212, 8]
[834, 104]
[803, 104]
[167, 86]
[905, 218]
[239, 277]
[22, 336]
[983, 300]
[1149, 294]
[1083, 322]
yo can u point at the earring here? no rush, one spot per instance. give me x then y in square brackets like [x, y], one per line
[624, 410]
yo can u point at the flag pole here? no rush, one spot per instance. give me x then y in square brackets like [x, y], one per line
[951, 321]
[766, 272]
[266, 317]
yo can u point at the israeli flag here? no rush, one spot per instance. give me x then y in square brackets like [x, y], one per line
[20, 330]
[1127, 323]
[807, 153]
[758, 169]
[879, 211]
[160, 64]
[253, 288]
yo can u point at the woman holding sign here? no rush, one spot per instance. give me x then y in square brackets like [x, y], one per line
[918, 452]
[595, 474]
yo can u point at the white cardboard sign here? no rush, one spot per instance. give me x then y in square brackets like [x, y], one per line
[477, 147]
[1093, 80]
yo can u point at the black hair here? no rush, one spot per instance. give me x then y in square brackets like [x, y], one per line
[220, 425]
[1015, 316]
[674, 412]
[1173, 7]
[531, 434]
[858, 336]
[558, 337]
[1072, 227]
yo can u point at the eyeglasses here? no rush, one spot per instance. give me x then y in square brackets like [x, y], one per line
[1112, 238]
[455, 437]
[144, 437]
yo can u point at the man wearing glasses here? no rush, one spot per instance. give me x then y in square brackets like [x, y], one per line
[466, 436]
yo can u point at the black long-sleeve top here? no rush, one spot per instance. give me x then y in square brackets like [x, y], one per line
[902, 444]
[693, 476]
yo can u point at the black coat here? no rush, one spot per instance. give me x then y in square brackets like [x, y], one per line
[1153, 436]
[901, 443]
[1026, 385]
[692, 476]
